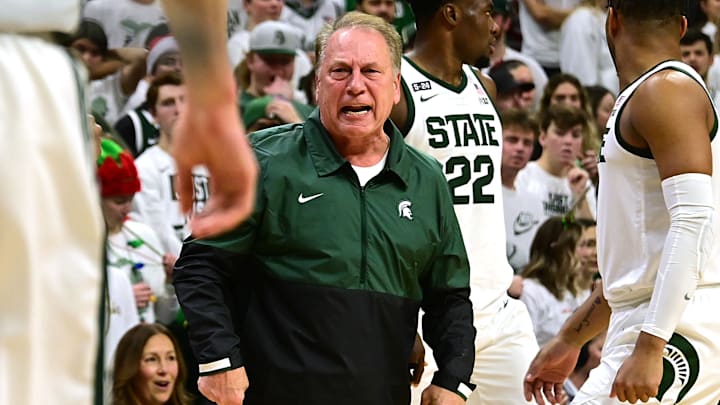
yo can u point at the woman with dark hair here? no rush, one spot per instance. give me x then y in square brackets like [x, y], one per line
[148, 368]
[549, 289]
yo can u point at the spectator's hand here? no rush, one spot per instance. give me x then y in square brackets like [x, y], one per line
[416, 362]
[640, 374]
[282, 109]
[168, 262]
[589, 162]
[280, 88]
[434, 395]
[143, 294]
[226, 388]
[548, 371]
[213, 136]
[578, 179]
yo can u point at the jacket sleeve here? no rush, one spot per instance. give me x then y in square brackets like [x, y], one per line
[213, 282]
[448, 320]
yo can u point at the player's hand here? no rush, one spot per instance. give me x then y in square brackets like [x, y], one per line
[639, 377]
[226, 388]
[213, 136]
[548, 371]
[416, 362]
[434, 395]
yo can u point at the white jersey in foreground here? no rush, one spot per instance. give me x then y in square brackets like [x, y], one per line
[461, 129]
[633, 221]
[52, 228]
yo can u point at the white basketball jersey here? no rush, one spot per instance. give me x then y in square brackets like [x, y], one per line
[29, 16]
[460, 127]
[633, 221]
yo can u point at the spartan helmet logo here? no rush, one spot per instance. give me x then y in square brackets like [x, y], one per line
[404, 210]
[279, 38]
[681, 366]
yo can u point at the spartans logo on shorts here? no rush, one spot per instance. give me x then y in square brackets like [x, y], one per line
[680, 364]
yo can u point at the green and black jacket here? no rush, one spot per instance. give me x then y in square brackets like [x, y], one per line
[317, 294]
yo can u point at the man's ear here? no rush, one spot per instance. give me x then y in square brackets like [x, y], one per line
[612, 21]
[451, 14]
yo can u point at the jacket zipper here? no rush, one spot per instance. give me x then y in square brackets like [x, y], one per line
[363, 239]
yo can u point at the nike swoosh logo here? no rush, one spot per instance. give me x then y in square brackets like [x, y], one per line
[423, 99]
[302, 199]
[687, 297]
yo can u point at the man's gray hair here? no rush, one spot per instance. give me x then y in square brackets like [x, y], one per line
[356, 19]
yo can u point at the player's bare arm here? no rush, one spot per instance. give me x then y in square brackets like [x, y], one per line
[557, 359]
[682, 116]
[210, 133]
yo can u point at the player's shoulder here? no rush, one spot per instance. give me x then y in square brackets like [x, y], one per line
[485, 79]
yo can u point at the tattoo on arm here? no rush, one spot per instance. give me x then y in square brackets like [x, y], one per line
[585, 322]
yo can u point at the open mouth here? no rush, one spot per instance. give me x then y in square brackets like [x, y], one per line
[162, 384]
[356, 110]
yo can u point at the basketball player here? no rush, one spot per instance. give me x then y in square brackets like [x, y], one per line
[658, 212]
[51, 242]
[446, 110]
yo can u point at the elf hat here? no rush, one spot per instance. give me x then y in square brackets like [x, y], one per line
[116, 170]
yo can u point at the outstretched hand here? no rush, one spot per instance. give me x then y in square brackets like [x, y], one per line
[548, 371]
[213, 136]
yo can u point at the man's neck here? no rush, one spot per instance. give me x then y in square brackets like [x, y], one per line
[641, 55]
[364, 152]
[437, 60]
[508, 176]
[553, 168]
[164, 142]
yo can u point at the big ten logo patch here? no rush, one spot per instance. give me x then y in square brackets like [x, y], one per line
[420, 86]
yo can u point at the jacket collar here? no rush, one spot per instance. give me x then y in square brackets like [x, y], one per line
[327, 160]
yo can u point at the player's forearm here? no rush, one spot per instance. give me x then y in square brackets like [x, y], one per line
[200, 30]
[589, 320]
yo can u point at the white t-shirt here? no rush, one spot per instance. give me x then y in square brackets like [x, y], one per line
[107, 98]
[156, 205]
[522, 219]
[553, 193]
[546, 311]
[584, 51]
[126, 22]
[29, 16]
[122, 254]
[539, 43]
[310, 21]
